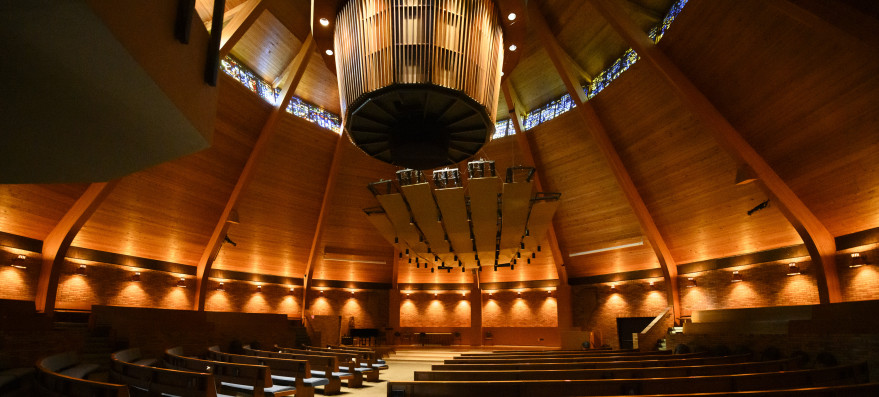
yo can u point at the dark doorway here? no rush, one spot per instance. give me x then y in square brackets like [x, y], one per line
[626, 326]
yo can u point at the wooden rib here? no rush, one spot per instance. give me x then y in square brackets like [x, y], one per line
[564, 304]
[227, 16]
[598, 133]
[816, 237]
[321, 221]
[236, 27]
[56, 244]
[212, 249]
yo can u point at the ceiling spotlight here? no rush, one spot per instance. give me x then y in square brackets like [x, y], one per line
[181, 282]
[512, 267]
[691, 282]
[512, 47]
[81, 270]
[431, 270]
[221, 287]
[858, 260]
[18, 262]
[407, 251]
[135, 277]
[736, 277]
[512, 16]
[326, 22]
[401, 255]
[793, 269]
[329, 52]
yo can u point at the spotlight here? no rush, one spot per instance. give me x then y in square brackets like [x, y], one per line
[410, 261]
[691, 282]
[538, 248]
[329, 52]
[736, 277]
[518, 255]
[512, 16]
[512, 47]
[533, 255]
[613, 287]
[326, 22]
[512, 266]
[463, 270]
[291, 290]
[221, 287]
[431, 270]
[529, 261]
[417, 266]
[407, 251]
[522, 245]
[135, 277]
[401, 255]
[793, 269]
[81, 270]
[259, 288]
[181, 282]
[858, 260]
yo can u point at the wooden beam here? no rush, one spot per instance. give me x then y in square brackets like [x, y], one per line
[818, 240]
[394, 298]
[598, 133]
[475, 311]
[209, 255]
[56, 244]
[241, 21]
[322, 220]
[565, 313]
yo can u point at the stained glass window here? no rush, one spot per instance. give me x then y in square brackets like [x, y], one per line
[297, 106]
[553, 109]
[503, 128]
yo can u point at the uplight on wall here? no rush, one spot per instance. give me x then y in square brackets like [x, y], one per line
[81, 270]
[221, 287]
[181, 282]
[291, 290]
[691, 282]
[793, 269]
[18, 262]
[135, 277]
[736, 277]
[259, 288]
[858, 260]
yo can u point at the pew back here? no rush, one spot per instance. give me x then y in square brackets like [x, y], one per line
[157, 381]
[51, 383]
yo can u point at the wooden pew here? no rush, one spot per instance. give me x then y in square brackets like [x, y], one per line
[381, 351]
[250, 379]
[321, 367]
[608, 373]
[669, 362]
[348, 362]
[286, 372]
[858, 390]
[368, 358]
[520, 359]
[842, 375]
[568, 353]
[146, 380]
[51, 382]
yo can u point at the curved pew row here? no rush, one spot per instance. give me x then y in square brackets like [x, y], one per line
[353, 363]
[559, 359]
[835, 376]
[538, 353]
[250, 379]
[286, 372]
[130, 368]
[368, 358]
[321, 367]
[56, 376]
[608, 373]
[586, 364]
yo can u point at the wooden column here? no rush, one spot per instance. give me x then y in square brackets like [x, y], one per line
[565, 309]
[394, 296]
[596, 130]
[209, 255]
[818, 240]
[322, 220]
[475, 311]
[56, 244]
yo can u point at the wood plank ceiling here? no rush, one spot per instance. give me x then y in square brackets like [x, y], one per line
[804, 98]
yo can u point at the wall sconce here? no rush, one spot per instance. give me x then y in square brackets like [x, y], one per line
[321, 292]
[81, 270]
[793, 269]
[652, 283]
[613, 287]
[291, 290]
[18, 262]
[259, 288]
[691, 282]
[858, 260]
[352, 292]
[135, 277]
[221, 287]
[736, 277]
[181, 282]
[463, 293]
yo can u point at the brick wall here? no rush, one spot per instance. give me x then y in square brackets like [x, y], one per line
[367, 308]
[860, 283]
[426, 310]
[596, 306]
[15, 283]
[241, 296]
[106, 284]
[525, 309]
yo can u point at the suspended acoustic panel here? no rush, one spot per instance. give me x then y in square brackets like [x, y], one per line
[419, 79]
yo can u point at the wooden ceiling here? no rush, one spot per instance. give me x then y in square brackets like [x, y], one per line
[801, 90]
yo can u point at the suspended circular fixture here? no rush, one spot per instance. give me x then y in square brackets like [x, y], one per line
[419, 79]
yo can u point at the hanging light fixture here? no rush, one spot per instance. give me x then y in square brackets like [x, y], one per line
[444, 222]
[419, 80]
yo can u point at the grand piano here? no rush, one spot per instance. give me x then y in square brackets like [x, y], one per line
[364, 336]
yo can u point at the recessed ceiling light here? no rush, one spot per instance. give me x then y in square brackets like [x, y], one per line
[325, 22]
[513, 47]
[329, 52]
[512, 16]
